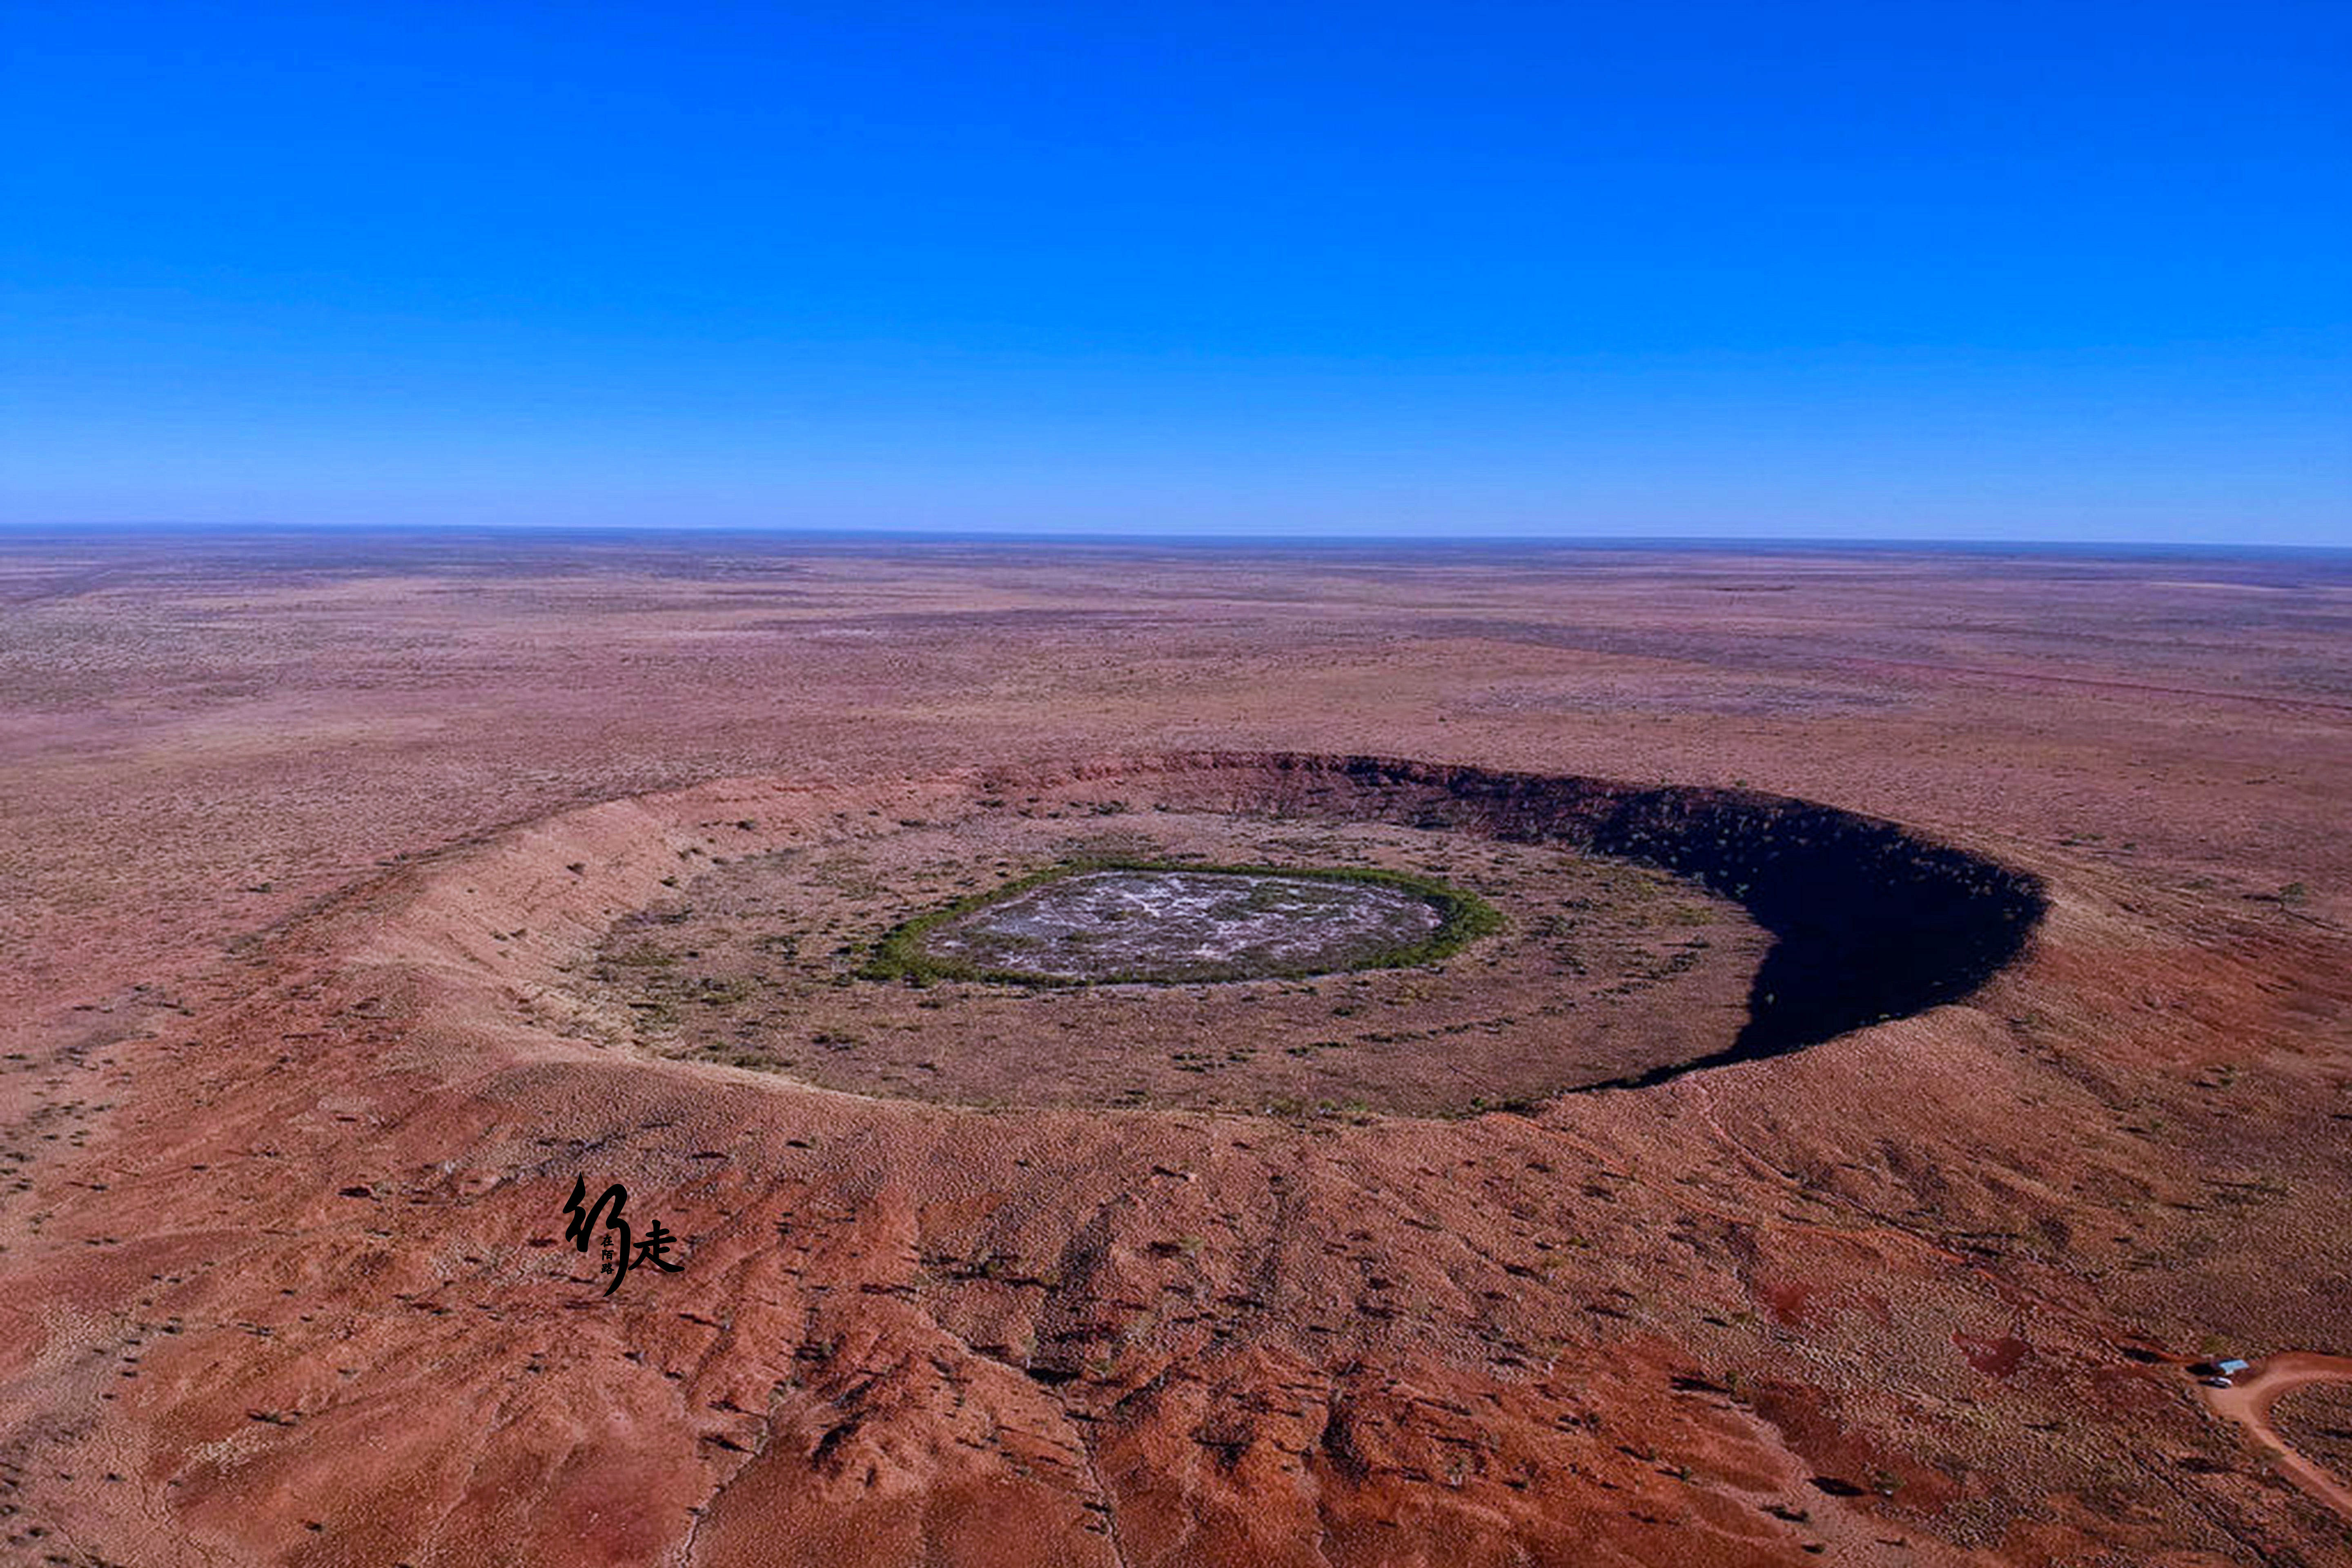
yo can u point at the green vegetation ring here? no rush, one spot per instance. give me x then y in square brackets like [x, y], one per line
[1120, 922]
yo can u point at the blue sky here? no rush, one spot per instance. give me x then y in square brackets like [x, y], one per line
[2058, 271]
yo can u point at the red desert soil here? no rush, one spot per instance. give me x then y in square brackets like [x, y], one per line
[313, 846]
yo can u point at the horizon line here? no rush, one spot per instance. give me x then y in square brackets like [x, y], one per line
[19, 528]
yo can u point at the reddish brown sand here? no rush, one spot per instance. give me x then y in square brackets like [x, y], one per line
[307, 846]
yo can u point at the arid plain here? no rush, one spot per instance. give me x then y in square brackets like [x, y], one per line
[366, 893]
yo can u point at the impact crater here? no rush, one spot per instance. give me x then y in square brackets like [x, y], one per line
[1297, 934]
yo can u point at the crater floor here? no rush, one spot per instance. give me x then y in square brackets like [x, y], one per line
[1602, 970]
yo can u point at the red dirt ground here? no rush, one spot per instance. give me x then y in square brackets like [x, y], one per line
[303, 837]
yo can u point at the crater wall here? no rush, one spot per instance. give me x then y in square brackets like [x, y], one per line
[1871, 919]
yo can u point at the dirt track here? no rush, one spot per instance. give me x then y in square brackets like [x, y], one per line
[2248, 1401]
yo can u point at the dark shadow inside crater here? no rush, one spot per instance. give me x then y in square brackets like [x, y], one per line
[1870, 920]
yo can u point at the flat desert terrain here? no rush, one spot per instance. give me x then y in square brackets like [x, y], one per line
[1911, 1032]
